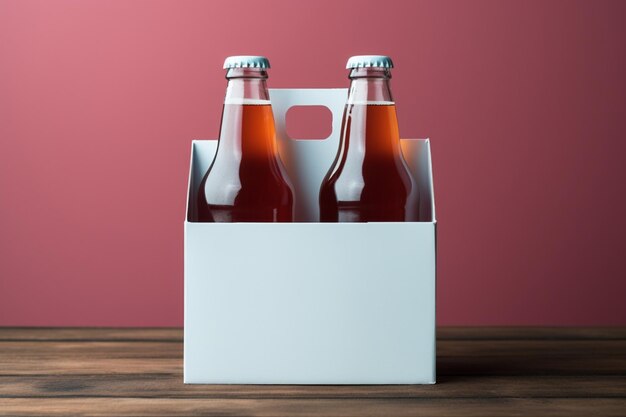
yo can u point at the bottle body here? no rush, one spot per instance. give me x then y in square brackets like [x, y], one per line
[369, 180]
[246, 181]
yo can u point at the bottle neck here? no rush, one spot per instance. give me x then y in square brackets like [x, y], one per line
[246, 86]
[370, 86]
[371, 125]
[247, 130]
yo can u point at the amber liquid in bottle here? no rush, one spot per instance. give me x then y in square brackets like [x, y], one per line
[246, 181]
[369, 180]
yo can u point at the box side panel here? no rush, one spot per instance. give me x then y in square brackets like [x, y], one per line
[202, 153]
[431, 186]
[310, 303]
[188, 213]
[417, 155]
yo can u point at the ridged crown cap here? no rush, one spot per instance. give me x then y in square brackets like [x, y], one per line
[246, 61]
[369, 61]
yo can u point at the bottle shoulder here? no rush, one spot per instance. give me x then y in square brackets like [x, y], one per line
[225, 182]
[371, 184]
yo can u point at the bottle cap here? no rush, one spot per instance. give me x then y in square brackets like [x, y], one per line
[369, 61]
[246, 61]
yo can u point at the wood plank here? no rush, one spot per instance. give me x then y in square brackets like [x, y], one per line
[287, 407]
[172, 334]
[446, 348]
[531, 357]
[105, 334]
[171, 386]
[531, 333]
[46, 357]
[92, 350]
[455, 357]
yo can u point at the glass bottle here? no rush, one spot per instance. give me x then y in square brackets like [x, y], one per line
[369, 180]
[246, 181]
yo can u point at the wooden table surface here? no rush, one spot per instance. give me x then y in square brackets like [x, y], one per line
[481, 372]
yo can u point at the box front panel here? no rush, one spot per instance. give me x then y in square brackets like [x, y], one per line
[310, 303]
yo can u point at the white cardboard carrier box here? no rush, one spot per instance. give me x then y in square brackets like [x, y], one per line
[309, 302]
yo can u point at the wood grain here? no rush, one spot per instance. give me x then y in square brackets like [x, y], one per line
[91, 334]
[462, 357]
[481, 372]
[169, 334]
[171, 386]
[343, 407]
[531, 333]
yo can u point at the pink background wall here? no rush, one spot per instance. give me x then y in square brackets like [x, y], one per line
[524, 101]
